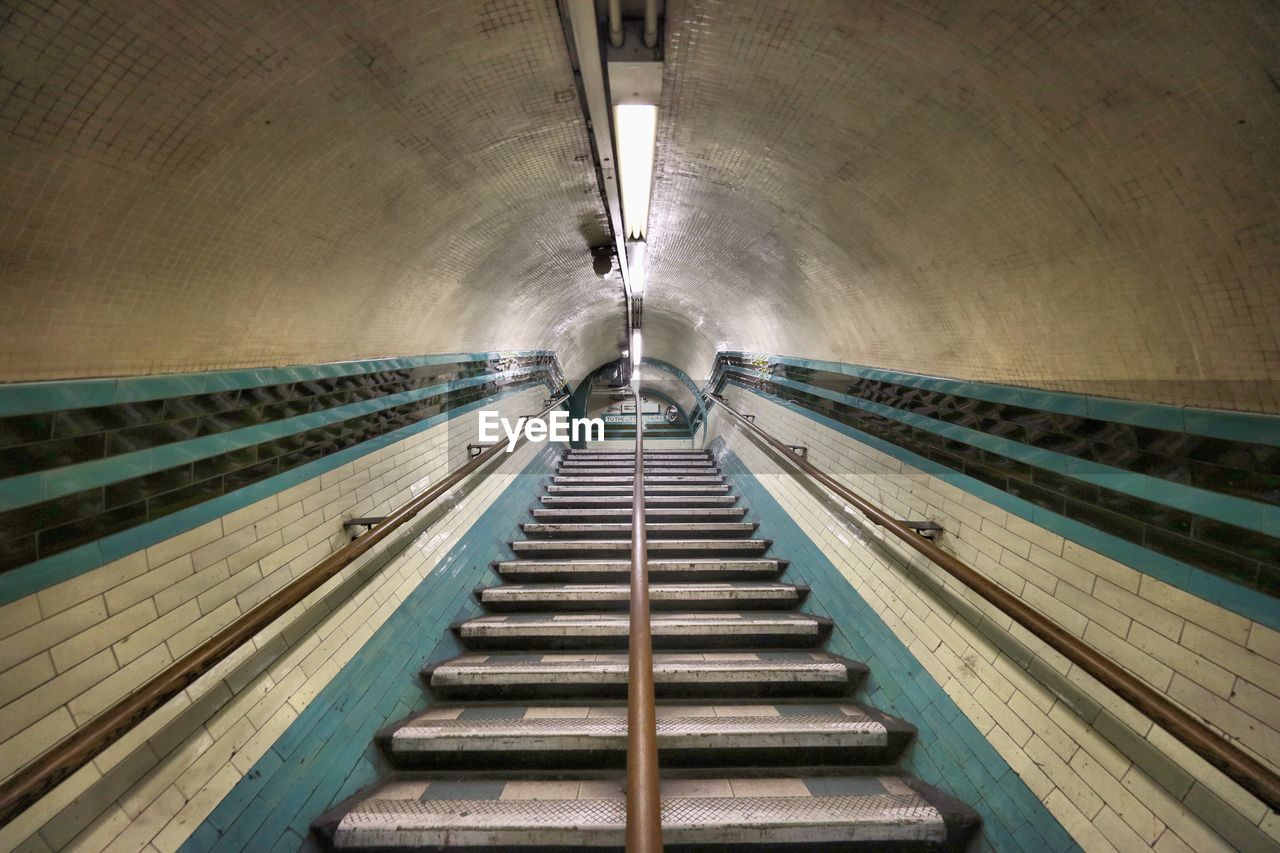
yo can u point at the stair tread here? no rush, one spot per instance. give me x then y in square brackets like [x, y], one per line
[610, 629]
[622, 591]
[612, 621]
[605, 570]
[624, 528]
[672, 666]
[608, 479]
[690, 675]
[835, 810]
[627, 489]
[580, 514]
[675, 722]
[625, 454]
[625, 544]
[692, 564]
[626, 501]
[629, 463]
[629, 471]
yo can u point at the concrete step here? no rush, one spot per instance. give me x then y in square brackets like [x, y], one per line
[653, 529]
[651, 513]
[688, 736]
[776, 812]
[590, 453]
[512, 597]
[629, 471]
[629, 463]
[723, 630]
[613, 479]
[657, 547]
[650, 489]
[651, 501]
[695, 675]
[599, 571]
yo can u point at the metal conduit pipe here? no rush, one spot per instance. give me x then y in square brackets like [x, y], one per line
[615, 23]
[650, 23]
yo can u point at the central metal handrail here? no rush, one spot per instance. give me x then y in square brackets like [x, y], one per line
[85, 743]
[1244, 769]
[644, 805]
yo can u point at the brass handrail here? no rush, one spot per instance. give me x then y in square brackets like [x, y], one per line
[1248, 772]
[85, 743]
[644, 805]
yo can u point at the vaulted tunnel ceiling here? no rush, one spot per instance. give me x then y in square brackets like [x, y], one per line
[1072, 195]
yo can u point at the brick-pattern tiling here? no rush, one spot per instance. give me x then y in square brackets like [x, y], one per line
[58, 443]
[72, 649]
[1063, 194]
[1108, 775]
[189, 186]
[327, 754]
[1236, 469]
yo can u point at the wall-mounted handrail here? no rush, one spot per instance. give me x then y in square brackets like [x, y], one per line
[644, 806]
[85, 743]
[1244, 769]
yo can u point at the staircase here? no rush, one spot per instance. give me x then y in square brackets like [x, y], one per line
[760, 741]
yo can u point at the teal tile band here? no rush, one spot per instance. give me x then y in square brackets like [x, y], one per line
[1246, 602]
[1264, 518]
[327, 753]
[21, 490]
[949, 752]
[24, 398]
[33, 577]
[1216, 423]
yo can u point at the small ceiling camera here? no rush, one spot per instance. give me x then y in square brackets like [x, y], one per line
[601, 260]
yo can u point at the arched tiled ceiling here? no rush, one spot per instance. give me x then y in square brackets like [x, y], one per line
[1075, 195]
[1061, 194]
[197, 185]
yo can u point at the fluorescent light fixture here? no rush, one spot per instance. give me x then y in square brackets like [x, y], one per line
[635, 263]
[635, 358]
[637, 126]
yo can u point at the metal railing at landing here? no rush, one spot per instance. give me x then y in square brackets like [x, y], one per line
[1246, 771]
[80, 747]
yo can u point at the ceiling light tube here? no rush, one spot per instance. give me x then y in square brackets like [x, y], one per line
[637, 126]
[635, 261]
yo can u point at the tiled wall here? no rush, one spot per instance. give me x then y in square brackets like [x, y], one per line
[949, 750]
[70, 649]
[1190, 495]
[1106, 773]
[327, 753]
[93, 470]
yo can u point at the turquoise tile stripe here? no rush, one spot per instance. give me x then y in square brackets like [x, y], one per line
[22, 490]
[1241, 512]
[1217, 423]
[327, 753]
[950, 752]
[33, 577]
[1246, 602]
[24, 398]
